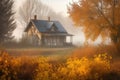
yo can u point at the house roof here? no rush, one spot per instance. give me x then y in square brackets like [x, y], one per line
[45, 25]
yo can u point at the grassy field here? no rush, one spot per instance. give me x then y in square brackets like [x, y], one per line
[61, 54]
[47, 52]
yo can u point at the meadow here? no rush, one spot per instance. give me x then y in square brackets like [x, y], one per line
[84, 63]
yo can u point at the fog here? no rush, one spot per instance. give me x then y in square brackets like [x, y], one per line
[68, 24]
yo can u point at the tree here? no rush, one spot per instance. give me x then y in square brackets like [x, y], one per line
[7, 24]
[98, 17]
[30, 8]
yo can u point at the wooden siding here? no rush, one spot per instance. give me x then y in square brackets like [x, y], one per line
[34, 32]
[34, 35]
[53, 41]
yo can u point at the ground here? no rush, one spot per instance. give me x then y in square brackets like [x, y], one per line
[56, 53]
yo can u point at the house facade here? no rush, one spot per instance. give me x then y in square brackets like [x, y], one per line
[47, 33]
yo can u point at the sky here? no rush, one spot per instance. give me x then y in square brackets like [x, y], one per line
[59, 6]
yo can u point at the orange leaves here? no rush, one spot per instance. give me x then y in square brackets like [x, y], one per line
[74, 9]
[85, 68]
[95, 16]
[39, 68]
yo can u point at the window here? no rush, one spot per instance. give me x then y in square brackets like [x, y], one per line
[53, 28]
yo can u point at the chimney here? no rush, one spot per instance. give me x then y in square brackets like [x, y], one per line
[35, 17]
[49, 19]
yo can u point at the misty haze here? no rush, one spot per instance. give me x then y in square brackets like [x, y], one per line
[60, 40]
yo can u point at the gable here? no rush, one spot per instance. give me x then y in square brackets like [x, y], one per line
[28, 27]
[32, 30]
[53, 28]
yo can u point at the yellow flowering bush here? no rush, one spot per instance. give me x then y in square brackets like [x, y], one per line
[7, 71]
[41, 68]
[85, 68]
[75, 68]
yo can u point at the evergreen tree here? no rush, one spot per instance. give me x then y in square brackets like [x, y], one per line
[7, 24]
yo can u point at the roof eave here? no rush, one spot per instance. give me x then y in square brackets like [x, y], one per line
[27, 26]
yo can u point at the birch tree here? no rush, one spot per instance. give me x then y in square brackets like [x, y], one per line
[33, 7]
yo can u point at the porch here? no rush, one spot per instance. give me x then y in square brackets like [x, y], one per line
[56, 40]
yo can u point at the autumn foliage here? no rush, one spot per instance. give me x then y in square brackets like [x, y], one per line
[41, 68]
[97, 17]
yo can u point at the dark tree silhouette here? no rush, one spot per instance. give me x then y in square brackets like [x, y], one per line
[7, 24]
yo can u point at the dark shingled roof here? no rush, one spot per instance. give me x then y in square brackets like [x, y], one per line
[45, 25]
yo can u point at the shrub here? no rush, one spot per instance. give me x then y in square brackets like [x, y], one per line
[40, 68]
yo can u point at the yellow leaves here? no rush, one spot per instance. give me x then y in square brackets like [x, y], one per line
[102, 62]
[62, 70]
[39, 68]
[84, 66]
[95, 16]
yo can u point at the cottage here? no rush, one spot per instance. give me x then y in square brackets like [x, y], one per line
[47, 33]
